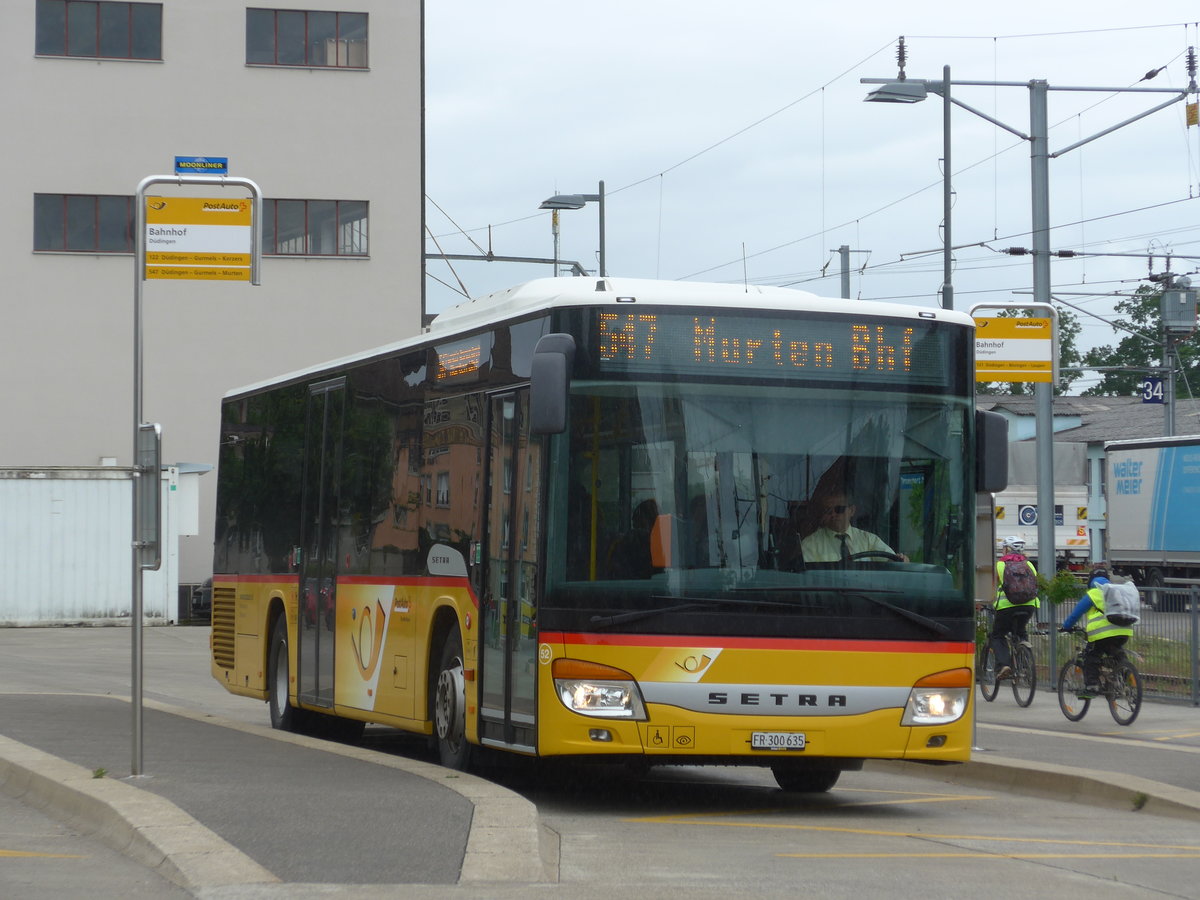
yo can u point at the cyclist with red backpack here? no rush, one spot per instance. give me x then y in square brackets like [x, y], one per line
[1016, 602]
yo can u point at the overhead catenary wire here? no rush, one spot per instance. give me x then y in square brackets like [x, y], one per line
[962, 264]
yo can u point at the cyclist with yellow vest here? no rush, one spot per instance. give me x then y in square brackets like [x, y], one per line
[1103, 637]
[1011, 614]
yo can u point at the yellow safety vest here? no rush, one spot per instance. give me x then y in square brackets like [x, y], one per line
[1096, 622]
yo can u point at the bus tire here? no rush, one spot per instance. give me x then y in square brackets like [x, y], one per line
[450, 705]
[284, 716]
[803, 780]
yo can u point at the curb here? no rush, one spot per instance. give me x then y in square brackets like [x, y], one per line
[137, 823]
[1055, 782]
[503, 845]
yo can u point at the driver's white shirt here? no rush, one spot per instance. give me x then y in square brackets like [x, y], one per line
[823, 545]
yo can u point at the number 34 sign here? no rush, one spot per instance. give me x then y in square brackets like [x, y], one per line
[1152, 390]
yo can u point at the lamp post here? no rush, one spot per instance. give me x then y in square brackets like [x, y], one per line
[575, 201]
[904, 90]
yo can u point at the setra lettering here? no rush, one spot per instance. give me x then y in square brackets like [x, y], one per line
[778, 699]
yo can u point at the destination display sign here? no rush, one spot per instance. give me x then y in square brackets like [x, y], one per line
[894, 351]
[198, 238]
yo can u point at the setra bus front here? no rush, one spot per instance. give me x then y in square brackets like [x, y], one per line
[759, 537]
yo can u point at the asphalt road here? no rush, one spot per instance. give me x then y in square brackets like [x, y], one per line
[1026, 828]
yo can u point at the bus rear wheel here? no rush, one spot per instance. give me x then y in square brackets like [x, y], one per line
[804, 780]
[450, 705]
[284, 716]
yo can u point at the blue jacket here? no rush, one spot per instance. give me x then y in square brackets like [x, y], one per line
[1086, 602]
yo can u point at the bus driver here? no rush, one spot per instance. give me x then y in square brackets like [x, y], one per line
[836, 540]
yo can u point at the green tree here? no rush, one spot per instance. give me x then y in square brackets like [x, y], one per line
[1141, 313]
[1068, 355]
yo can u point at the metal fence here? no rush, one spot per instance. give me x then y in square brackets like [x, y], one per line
[1165, 645]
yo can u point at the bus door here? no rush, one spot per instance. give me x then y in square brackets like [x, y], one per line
[508, 642]
[318, 541]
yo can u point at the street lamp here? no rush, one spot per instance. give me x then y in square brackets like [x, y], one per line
[904, 91]
[901, 89]
[575, 201]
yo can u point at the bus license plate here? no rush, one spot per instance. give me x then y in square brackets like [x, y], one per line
[776, 740]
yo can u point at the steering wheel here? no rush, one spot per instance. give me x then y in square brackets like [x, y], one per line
[876, 554]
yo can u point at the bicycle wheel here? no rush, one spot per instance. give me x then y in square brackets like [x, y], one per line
[987, 676]
[1070, 682]
[1125, 696]
[1024, 677]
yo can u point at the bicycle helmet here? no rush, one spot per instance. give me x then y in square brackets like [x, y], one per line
[1098, 572]
[1014, 544]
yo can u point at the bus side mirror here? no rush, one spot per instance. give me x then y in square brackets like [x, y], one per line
[550, 383]
[991, 452]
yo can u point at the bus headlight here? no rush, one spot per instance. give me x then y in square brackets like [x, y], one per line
[938, 699]
[591, 689]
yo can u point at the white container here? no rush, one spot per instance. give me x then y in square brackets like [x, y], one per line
[66, 547]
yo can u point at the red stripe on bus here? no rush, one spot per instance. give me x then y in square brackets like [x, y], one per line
[368, 580]
[422, 581]
[753, 643]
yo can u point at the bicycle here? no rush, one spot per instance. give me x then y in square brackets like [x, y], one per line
[1024, 669]
[1120, 684]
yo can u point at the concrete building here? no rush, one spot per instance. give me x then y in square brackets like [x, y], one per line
[321, 107]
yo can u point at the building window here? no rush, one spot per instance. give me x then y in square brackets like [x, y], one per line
[104, 30]
[85, 223]
[295, 37]
[315, 227]
[443, 489]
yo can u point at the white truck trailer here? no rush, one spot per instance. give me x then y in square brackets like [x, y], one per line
[1152, 489]
[1017, 513]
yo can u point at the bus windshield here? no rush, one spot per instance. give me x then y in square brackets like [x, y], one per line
[743, 508]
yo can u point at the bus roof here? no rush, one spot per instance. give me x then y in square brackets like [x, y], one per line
[544, 294]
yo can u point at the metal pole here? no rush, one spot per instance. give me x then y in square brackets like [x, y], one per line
[135, 612]
[947, 253]
[1169, 395]
[603, 270]
[1194, 597]
[554, 231]
[139, 271]
[844, 253]
[1043, 391]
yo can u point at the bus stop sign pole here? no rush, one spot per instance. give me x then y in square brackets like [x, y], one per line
[147, 439]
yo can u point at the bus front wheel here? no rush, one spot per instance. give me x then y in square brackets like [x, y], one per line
[804, 780]
[450, 705]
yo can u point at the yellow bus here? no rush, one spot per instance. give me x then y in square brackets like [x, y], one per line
[584, 518]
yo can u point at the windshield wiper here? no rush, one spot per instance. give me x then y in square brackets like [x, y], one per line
[924, 621]
[701, 602]
[691, 603]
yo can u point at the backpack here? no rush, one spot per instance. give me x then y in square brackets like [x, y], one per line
[1019, 584]
[1121, 603]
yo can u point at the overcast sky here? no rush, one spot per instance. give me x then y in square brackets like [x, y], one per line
[734, 143]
